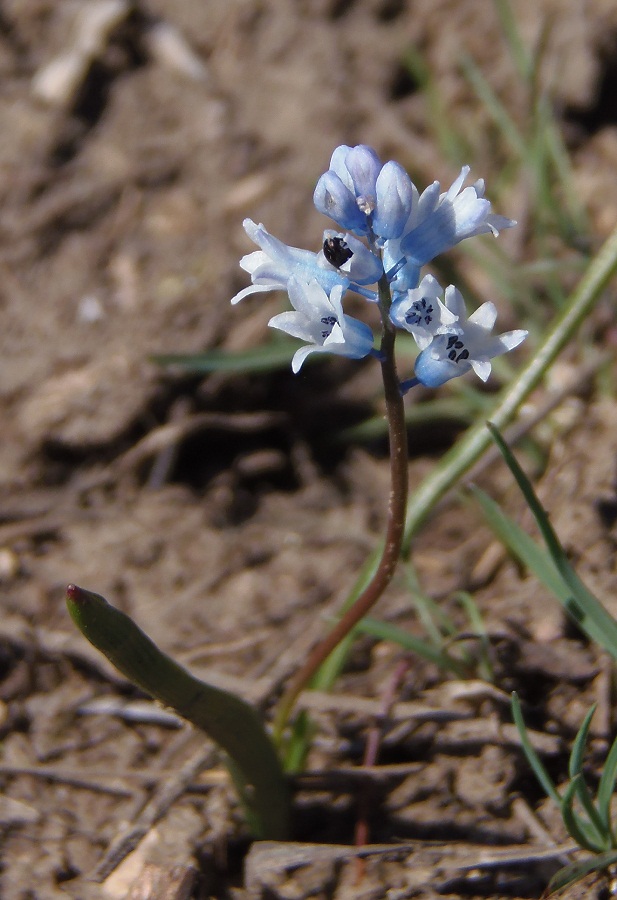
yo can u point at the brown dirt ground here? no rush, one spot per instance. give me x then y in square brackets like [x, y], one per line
[122, 194]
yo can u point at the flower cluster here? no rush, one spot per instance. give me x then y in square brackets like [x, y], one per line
[389, 231]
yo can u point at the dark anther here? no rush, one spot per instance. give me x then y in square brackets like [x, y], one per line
[336, 251]
[422, 311]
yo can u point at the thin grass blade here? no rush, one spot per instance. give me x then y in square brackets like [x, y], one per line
[471, 447]
[386, 631]
[519, 543]
[581, 605]
[267, 358]
[581, 868]
[532, 757]
[575, 764]
[582, 832]
[606, 787]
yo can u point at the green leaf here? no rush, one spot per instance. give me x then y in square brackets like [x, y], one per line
[575, 764]
[583, 833]
[227, 719]
[521, 545]
[579, 869]
[267, 358]
[607, 787]
[475, 441]
[532, 757]
[575, 770]
[386, 631]
[485, 666]
[581, 604]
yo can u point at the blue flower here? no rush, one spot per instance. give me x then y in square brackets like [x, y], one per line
[319, 319]
[438, 221]
[271, 267]
[470, 345]
[362, 195]
[347, 191]
[422, 313]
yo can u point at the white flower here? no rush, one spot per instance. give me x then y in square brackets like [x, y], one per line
[471, 347]
[353, 259]
[422, 313]
[271, 267]
[320, 320]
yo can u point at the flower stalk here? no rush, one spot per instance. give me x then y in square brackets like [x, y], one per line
[397, 505]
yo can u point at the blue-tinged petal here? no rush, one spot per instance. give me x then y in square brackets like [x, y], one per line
[458, 183]
[338, 166]
[301, 354]
[394, 199]
[251, 289]
[442, 220]
[332, 198]
[433, 370]
[364, 166]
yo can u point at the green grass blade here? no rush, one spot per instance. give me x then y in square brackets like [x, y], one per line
[581, 605]
[447, 409]
[267, 358]
[227, 719]
[521, 56]
[579, 869]
[437, 624]
[495, 107]
[575, 764]
[448, 137]
[532, 757]
[476, 621]
[386, 631]
[601, 835]
[537, 559]
[582, 832]
[471, 447]
[607, 787]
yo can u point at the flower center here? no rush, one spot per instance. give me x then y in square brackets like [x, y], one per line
[330, 321]
[456, 349]
[421, 313]
[336, 251]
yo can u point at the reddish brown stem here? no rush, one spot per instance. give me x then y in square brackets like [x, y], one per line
[397, 432]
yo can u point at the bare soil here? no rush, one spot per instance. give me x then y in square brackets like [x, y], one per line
[123, 185]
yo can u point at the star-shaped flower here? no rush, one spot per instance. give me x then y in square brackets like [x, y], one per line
[470, 346]
[437, 222]
[319, 319]
[271, 267]
[422, 313]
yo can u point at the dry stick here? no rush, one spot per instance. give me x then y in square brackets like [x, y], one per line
[395, 413]
[373, 739]
[167, 794]
[371, 752]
